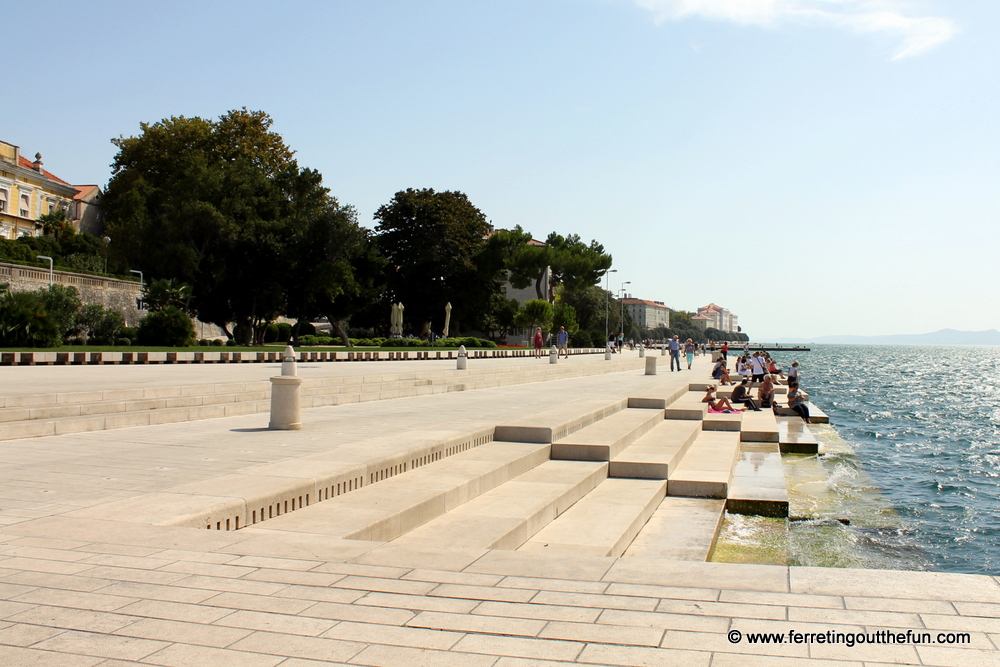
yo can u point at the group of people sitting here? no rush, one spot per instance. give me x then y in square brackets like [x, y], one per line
[759, 371]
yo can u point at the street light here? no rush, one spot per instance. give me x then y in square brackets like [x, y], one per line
[607, 301]
[107, 242]
[50, 266]
[622, 304]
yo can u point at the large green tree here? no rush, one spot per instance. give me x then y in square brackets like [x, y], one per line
[214, 204]
[574, 265]
[433, 244]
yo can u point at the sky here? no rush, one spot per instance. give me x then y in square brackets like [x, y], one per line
[819, 167]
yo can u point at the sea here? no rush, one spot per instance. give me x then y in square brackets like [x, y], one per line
[908, 473]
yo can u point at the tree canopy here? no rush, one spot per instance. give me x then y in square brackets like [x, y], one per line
[218, 204]
[573, 263]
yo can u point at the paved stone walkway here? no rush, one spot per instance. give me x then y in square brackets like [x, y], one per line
[82, 587]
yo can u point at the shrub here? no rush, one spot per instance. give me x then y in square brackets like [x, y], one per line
[325, 340]
[204, 342]
[231, 343]
[24, 322]
[304, 327]
[598, 339]
[62, 303]
[307, 340]
[169, 327]
[79, 340]
[124, 342]
[130, 332]
[581, 339]
[217, 342]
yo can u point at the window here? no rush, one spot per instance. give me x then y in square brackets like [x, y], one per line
[3, 201]
[25, 206]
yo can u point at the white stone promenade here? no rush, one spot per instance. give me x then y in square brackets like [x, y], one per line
[515, 514]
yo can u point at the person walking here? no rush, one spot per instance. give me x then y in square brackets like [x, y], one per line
[675, 353]
[689, 348]
[538, 342]
[562, 340]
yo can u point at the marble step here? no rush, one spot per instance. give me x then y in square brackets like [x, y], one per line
[758, 426]
[602, 523]
[707, 468]
[605, 439]
[758, 484]
[688, 406]
[507, 516]
[557, 423]
[657, 453]
[394, 506]
[680, 529]
[794, 437]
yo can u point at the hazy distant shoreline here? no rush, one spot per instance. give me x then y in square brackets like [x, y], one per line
[942, 337]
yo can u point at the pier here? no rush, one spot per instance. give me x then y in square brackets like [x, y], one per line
[516, 513]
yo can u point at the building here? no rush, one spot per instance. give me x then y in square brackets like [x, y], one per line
[717, 317]
[702, 322]
[647, 314]
[28, 191]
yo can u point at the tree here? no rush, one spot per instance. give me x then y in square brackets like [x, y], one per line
[431, 241]
[163, 292]
[592, 305]
[535, 313]
[564, 315]
[334, 268]
[212, 203]
[24, 322]
[62, 304]
[573, 263]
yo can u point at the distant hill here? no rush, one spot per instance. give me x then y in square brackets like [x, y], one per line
[943, 337]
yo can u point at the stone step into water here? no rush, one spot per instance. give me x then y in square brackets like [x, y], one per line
[507, 516]
[794, 437]
[680, 529]
[602, 523]
[707, 468]
[758, 485]
[606, 438]
[656, 454]
[758, 426]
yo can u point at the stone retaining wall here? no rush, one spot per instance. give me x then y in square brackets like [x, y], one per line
[222, 357]
[113, 293]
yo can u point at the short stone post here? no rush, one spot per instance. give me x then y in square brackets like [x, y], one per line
[642, 351]
[607, 353]
[650, 365]
[463, 358]
[286, 410]
[554, 355]
[663, 350]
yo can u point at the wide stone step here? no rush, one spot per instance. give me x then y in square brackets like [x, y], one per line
[707, 468]
[758, 485]
[680, 529]
[556, 423]
[399, 504]
[602, 523]
[605, 439]
[687, 406]
[794, 437]
[507, 516]
[758, 426]
[656, 453]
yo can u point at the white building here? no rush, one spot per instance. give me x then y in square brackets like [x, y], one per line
[720, 318]
[647, 314]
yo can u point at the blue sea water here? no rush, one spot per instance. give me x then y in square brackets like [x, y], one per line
[924, 424]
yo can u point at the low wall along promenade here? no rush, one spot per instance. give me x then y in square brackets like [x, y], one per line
[114, 293]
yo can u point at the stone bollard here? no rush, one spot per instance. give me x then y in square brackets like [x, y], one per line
[650, 365]
[642, 351]
[463, 358]
[607, 353]
[663, 350]
[554, 355]
[286, 410]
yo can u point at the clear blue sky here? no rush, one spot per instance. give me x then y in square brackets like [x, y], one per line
[819, 167]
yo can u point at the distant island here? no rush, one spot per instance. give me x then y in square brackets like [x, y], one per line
[942, 337]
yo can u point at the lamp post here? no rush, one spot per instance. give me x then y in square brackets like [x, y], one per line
[50, 266]
[607, 301]
[107, 242]
[622, 304]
